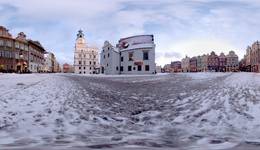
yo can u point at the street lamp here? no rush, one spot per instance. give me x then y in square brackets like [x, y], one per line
[21, 57]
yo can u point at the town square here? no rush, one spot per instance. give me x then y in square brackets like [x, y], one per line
[129, 74]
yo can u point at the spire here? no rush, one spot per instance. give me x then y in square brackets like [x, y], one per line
[80, 34]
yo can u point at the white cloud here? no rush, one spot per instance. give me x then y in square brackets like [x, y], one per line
[182, 27]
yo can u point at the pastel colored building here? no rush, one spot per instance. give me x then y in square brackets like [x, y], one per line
[222, 62]
[232, 64]
[176, 66]
[213, 62]
[193, 64]
[20, 54]
[185, 64]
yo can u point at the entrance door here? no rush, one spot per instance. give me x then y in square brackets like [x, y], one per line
[18, 68]
[102, 70]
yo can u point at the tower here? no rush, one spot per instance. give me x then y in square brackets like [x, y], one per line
[85, 57]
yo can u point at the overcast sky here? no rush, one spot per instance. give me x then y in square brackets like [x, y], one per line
[180, 27]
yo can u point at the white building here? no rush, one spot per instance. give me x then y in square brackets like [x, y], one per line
[110, 59]
[185, 64]
[132, 55]
[85, 57]
[48, 62]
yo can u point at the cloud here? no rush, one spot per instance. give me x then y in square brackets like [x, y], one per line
[180, 27]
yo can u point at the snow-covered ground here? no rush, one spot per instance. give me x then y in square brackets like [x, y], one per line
[189, 111]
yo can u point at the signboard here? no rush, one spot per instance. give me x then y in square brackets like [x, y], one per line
[135, 40]
[138, 63]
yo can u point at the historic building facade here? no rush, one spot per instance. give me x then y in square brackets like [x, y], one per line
[213, 62]
[202, 63]
[85, 57]
[67, 68]
[185, 64]
[199, 64]
[193, 64]
[251, 60]
[232, 63]
[167, 68]
[176, 66]
[247, 59]
[132, 55]
[109, 60]
[19, 54]
[36, 56]
[49, 60]
[255, 57]
[222, 62]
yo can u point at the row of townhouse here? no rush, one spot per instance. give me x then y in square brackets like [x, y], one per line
[207, 62]
[251, 60]
[20, 54]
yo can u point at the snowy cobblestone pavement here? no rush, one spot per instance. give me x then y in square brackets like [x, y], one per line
[194, 111]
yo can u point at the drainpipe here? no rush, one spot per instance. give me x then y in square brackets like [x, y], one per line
[119, 62]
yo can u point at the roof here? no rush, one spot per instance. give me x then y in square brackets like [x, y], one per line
[37, 44]
[135, 36]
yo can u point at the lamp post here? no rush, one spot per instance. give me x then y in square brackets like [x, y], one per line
[21, 57]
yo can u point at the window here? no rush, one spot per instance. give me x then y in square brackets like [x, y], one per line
[16, 45]
[147, 67]
[94, 63]
[21, 46]
[80, 72]
[108, 55]
[9, 43]
[90, 62]
[1, 43]
[133, 68]
[90, 68]
[26, 47]
[80, 62]
[139, 68]
[129, 68]
[116, 68]
[1, 53]
[121, 68]
[104, 56]
[145, 55]
[107, 65]
[79, 67]
[84, 72]
[130, 55]
[122, 58]
[84, 68]
[84, 62]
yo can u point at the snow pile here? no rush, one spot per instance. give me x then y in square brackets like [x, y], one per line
[39, 108]
[228, 110]
[205, 75]
[209, 110]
